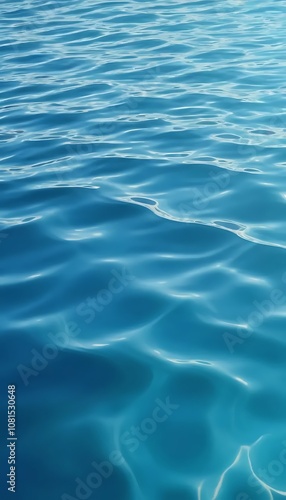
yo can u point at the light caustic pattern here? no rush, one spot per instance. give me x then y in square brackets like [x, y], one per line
[142, 242]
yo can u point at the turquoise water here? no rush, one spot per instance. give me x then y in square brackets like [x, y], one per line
[143, 284]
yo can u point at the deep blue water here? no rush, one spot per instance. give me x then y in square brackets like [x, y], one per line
[142, 244]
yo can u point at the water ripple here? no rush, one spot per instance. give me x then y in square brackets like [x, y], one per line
[142, 238]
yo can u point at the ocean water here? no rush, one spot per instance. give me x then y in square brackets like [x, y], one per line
[142, 244]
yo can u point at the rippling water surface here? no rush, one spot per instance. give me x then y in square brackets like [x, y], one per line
[143, 285]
